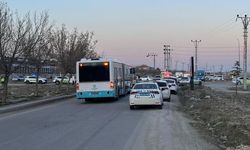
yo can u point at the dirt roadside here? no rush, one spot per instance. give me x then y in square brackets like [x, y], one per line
[26, 92]
[223, 116]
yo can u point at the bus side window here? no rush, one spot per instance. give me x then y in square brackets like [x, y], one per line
[120, 72]
[115, 74]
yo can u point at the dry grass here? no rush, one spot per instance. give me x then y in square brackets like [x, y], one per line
[27, 92]
[224, 116]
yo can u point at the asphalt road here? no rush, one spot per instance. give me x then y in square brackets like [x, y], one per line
[71, 125]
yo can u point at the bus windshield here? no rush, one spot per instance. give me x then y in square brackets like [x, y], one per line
[89, 72]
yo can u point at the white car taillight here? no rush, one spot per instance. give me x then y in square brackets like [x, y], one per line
[133, 92]
[154, 92]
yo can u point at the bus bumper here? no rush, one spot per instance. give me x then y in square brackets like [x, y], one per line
[95, 94]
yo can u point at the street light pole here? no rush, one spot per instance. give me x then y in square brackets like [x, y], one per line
[152, 54]
[239, 49]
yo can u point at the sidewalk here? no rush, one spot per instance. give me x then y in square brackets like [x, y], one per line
[29, 104]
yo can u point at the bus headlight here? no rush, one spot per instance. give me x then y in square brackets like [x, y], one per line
[77, 86]
[111, 84]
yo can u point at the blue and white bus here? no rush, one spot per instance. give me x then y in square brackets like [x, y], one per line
[101, 78]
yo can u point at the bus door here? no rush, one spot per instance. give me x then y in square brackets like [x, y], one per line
[123, 79]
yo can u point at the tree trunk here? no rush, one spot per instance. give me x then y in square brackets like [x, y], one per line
[36, 93]
[5, 90]
[60, 85]
[68, 84]
[37, 76]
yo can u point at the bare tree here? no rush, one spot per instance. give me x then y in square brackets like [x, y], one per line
[236, 72]
[18, 37]
[71, 47]
[41, 53]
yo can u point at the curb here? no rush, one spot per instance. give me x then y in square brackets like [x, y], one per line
[25, 105]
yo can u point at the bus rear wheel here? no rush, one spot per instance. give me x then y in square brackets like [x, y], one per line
[87, 100]
[132, 107]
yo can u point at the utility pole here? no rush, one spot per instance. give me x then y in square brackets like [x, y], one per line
[188, 67]
[183, 66]
[245, 20]
[166, 57]
[176, 65]
[239, 49]
[196, 42]
[192, 74]
[169, 59]
[152, 54]
[221, 68]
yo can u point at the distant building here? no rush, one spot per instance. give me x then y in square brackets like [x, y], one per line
[28, 68]
[144, 67]
[144, 70]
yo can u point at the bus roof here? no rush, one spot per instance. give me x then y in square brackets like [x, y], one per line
[84, 60]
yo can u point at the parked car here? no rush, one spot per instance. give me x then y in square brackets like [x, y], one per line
[32, 79]
[197, 81]
[166, 93]
[1, 79]
[145, 78]
[242, 81]
[173, 78]
[58, 79]
[173, 86]
[184, 81]
[218, 78]
[157, 77]
[145, 93]
[235, 80]
[239, 80]
[17, 78]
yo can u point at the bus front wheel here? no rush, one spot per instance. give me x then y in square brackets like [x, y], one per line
[132, 107]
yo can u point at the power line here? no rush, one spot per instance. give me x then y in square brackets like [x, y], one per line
[224, 27]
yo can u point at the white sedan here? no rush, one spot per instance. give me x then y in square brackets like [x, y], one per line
[145, 93]
[166, 93]
[32, 79]
[184, 81]
[173, 86]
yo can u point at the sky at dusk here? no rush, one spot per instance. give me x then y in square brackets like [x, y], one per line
[130, 29]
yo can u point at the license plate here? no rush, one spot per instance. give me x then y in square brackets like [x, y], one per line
[144, 94]
[94, 93]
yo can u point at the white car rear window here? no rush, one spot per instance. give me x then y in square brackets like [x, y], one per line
[161, 84]
[170, 81]
[145, 86]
